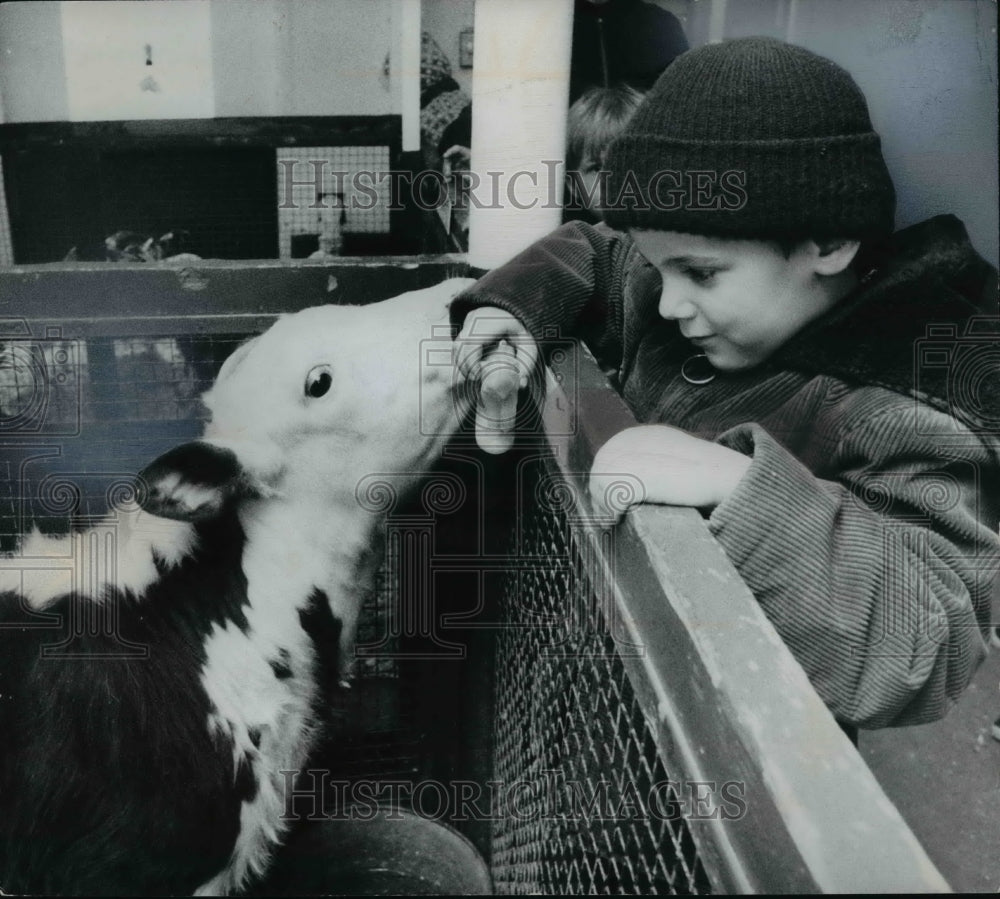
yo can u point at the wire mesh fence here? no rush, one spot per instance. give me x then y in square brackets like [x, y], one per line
[568, 724]
[83, 417]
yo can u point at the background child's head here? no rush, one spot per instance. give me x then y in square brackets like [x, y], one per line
[594, 120]
[756, 139]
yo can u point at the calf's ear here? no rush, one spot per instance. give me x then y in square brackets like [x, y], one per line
[191, 482]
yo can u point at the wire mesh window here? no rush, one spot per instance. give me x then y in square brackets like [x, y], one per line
[319, 201]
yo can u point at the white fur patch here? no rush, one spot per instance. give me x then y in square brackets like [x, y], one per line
[292, 550]
[247, 696]
[189, 498]
[116, 553]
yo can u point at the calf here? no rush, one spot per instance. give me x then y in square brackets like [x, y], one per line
[157, 770]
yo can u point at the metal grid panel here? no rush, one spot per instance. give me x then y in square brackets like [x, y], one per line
[219, 199]
[82, 418]
[377, 737]
[570, 729]
[65, 201]
[323, 200]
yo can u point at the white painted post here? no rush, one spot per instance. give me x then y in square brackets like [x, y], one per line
[409, 72]
[520, 95]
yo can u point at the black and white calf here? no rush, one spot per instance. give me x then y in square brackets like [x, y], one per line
[159, 773]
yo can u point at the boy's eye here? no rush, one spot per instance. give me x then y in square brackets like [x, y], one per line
[700, 276]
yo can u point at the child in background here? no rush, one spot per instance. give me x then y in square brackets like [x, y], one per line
[772, 334]
[593, 122]
[445, 109]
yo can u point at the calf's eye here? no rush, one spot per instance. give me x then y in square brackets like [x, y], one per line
[318, 381]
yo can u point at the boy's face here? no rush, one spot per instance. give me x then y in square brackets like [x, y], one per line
[592, 195]
[737, 300]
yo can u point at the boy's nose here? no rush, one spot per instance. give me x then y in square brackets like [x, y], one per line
[673, 303]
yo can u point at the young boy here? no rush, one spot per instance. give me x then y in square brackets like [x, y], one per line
[776, 341]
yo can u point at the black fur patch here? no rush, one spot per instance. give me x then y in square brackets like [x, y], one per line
[324, 629]
[282, 665]
[110, 781]
[246, 785]
[199, 464]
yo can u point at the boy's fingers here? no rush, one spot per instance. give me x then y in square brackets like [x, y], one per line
[467, 356]
[500, 377]
[479, 330]
[527, 356]
[485, 327]
[503, 372]
[605, 499]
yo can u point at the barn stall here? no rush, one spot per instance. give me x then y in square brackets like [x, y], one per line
[586, 709]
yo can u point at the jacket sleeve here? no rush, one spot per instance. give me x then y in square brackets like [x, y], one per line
[879, 581]
[568, 284]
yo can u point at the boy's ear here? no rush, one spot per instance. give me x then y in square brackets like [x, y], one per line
[192, 482]
[834, 256]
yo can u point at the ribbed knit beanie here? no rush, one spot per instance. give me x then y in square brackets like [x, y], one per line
[752, 138]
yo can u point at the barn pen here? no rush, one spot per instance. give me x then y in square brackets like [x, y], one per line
[540, 703]
[594, 710]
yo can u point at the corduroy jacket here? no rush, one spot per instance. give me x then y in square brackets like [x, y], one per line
[867, 524]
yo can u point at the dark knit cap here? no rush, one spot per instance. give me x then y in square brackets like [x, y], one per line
[752, 138]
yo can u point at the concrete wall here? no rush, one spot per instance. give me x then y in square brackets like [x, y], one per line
[86, 61]
[32, 74]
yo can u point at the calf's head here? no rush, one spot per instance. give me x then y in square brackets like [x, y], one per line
[324, 398]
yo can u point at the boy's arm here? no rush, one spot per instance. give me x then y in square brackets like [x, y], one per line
[569, 283]
[878, 582]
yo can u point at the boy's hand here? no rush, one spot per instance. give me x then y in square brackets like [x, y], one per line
[495, 348]
[672, 466]
[485, 328]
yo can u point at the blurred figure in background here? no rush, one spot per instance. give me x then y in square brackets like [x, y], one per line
[445, 109]
[594, 120]
[445, 136]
